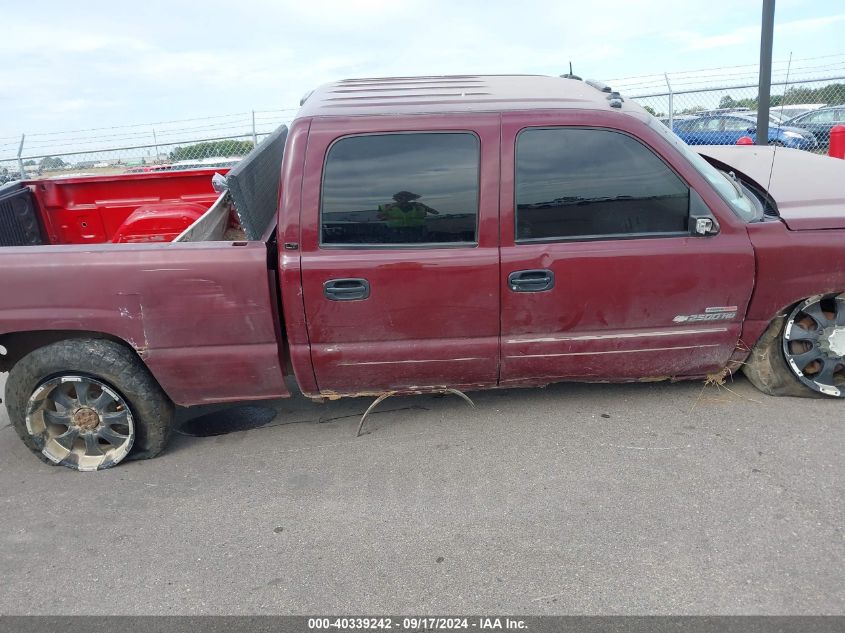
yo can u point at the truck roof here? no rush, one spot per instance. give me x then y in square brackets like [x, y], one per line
[455, 93]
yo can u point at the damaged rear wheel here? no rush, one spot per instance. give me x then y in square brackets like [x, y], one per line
[87, 404]
[80, 422]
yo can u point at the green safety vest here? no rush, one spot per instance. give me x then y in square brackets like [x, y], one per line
[397, 218]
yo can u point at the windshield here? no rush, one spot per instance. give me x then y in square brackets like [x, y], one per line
[732, 194]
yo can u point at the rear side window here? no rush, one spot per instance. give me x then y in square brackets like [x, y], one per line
[401, 189]
[738, 125]
[822, 116]
[579, 183]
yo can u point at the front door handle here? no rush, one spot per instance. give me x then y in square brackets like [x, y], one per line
[346, 289]
[537, 280]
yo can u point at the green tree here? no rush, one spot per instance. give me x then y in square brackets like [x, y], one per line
[29, 163]
[49, 162]
[692, 109]
[211, 148]
[727, 102]
[831, 94]
[652, 111]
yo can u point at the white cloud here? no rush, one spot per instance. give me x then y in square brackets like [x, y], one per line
[79, 65]
[746, 35]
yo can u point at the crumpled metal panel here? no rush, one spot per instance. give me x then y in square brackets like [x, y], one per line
[254, 184]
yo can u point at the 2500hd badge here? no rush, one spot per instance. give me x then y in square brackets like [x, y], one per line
[719, 313]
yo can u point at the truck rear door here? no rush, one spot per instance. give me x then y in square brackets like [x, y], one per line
[602, 277]
[399, 252]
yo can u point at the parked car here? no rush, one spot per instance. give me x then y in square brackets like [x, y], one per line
[774, 119]
[145, 169]
[716, 111]
[504, 231]
[795, 109]
[820, 122]
[678, 117]
[727, 129]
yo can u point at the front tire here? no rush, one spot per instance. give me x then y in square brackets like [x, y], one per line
[802, 353]
[87, 404]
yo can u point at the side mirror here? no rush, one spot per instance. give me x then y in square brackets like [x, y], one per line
[702, 222]
[703, 226]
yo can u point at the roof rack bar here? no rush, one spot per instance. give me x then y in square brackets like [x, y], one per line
[598, 85]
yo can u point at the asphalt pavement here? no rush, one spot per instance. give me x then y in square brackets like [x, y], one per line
[575, 499]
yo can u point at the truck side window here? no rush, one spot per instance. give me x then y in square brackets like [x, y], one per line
[400, 189]
[582, 183]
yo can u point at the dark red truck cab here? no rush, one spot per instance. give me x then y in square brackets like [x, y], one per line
[437, 233]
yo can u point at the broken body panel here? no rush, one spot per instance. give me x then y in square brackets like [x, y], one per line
[199, 315]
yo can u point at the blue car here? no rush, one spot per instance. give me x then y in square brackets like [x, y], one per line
[727, 129]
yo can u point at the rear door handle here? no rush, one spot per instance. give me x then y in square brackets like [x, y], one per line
[537, 280]
[346, 289]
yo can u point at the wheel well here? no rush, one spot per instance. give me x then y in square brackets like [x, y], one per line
[784, 312]
[16, 345]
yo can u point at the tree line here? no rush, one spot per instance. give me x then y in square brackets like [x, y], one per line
[832, 94]
[211, 148]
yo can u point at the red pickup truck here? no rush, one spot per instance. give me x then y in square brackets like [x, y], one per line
[435, 233]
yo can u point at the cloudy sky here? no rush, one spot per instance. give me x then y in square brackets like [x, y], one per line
[79, 64]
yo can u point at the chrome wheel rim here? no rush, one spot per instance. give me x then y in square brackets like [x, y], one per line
[814, 344]
[80, 422]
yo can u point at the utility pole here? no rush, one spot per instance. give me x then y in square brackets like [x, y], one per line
[254, 135]
[765, 85]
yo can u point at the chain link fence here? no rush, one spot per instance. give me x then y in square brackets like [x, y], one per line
[802, 111]
[215, 152]
[186, 144]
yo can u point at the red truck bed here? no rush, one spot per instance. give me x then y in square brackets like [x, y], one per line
[146, 207]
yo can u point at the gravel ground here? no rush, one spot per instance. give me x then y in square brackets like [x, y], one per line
[582, 499]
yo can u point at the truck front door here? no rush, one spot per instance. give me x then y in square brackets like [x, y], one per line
[603, 276]
[400, 258]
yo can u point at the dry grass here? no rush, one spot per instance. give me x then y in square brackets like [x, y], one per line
[718, 380]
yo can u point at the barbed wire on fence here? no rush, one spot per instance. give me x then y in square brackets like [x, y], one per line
[168, 155]
[216, 140]
[802, 112]
[121, 143]
[704, 106]
[809, 68]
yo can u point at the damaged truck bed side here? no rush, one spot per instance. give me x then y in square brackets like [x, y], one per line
[414, 235]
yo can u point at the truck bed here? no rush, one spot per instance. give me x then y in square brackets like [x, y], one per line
[181, 286]
[155, 206]
[142, 207]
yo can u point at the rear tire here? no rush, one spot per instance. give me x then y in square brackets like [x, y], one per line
[47, 397]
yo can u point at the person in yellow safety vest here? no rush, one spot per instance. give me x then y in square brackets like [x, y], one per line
[405, 212]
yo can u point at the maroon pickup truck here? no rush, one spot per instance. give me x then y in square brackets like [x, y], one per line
[434, 234]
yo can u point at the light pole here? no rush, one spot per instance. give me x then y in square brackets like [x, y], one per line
[765, 87]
